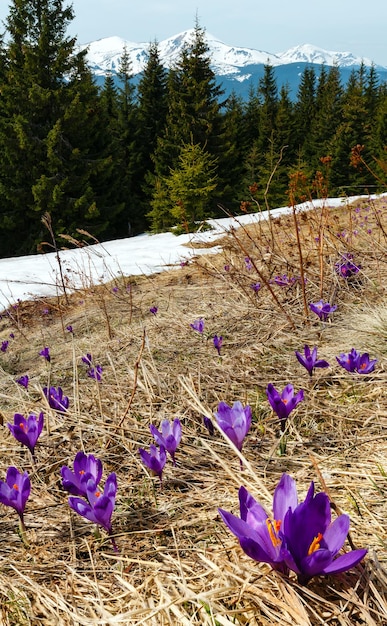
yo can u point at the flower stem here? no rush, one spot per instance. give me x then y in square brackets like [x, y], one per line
[22, 531]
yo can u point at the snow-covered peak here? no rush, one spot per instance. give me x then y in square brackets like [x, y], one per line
[308, 53]
[105, 55]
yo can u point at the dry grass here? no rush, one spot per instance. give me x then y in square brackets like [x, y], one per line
[177, 563]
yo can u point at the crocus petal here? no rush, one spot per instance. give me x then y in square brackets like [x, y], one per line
[250, 510]
[315, 563]
[345, 562]
[255, 542]
[256, 552]
[285, 497]
[321, 363]
[336, 533]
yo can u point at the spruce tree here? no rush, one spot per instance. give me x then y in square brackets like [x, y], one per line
[49, 129]
[127, 151]
[355, 128]
[193, 111]
[152, 112]
[305, 110]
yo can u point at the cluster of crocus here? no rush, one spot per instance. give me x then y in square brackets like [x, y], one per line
[27, 430]
[284, 280]
[301, 537]
[198, 325]
[56, 399]
[248, 264]
[283, 403]
[168, 440]
[235, 421]
[15, 491]
[322, 309]
[92, 372]
[218, 341]
[95, 505]
[169, 437]
[347, 268]
[356, 362]
[309, 359]
[95, 372]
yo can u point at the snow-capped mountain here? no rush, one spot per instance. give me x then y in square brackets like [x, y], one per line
[230, 63]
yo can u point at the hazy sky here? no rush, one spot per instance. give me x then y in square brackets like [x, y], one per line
[270, 25]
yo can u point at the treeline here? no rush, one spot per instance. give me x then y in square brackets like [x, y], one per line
[118, 160]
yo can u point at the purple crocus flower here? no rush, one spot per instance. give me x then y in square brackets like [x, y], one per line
[155, 459]
[284, 403]
[95, 372]
[100, 505]
[248, 264]
[169, 437]
[208, 424]
[153, 310]
[27, 430]
[87, 359]
[301, 537]
[235, 421]
[311, 541]
[198, 325]
[23, 381]
[4, 346]
[356, 362]
[322, 309]
[86, 467]
[347, 268]
[258, 534]
[349, 361]
[56, 399]
[45, 353]
[218, 341]
[69, 328]
[15, 490]
[255, 287]
[309, 359]
[364, 364]
[284, 280]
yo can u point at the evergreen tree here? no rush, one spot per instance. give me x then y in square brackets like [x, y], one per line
[193, 111]
[189, 187]
[231, 159]
[152, 112]
[268, 96]
[328, 113]
[355, 129]
[305, 110]
[49, 129]
[127, 152]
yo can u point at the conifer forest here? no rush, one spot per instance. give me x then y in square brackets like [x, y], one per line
[120, 159]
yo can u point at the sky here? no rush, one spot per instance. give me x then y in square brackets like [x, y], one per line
[268, 25]
[34, 276]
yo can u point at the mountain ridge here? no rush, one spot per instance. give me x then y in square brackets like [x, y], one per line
[232, 65]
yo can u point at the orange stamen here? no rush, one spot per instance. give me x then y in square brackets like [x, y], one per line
[22, 426]
[16, 487]
[81, 472]
[315, 545]
[97, 493]
[273, 528]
